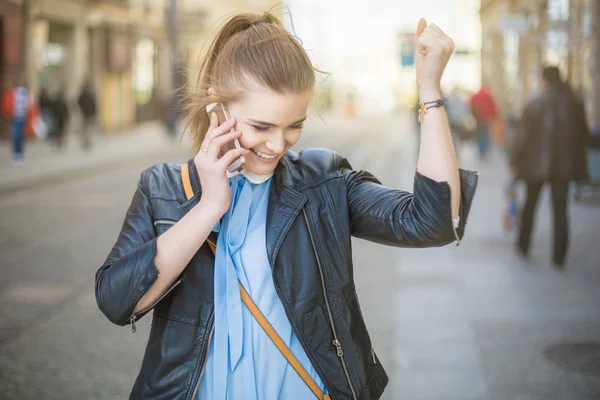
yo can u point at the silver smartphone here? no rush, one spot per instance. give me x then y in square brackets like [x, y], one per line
[223, 115]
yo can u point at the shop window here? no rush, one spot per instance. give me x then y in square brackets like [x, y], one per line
[558, 10]
[145, 75]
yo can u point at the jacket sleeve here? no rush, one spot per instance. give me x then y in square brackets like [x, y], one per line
[129, 270]
[398, 218]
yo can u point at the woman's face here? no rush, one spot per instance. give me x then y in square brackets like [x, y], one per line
[271, 123]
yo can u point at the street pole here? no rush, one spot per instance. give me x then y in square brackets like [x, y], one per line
[25, 39]
[596, 40]
[172, 32]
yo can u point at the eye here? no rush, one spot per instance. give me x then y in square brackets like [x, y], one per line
[298, 126]
[260, 128]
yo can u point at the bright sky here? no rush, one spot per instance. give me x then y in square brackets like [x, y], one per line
[354, 19]
[356, 39]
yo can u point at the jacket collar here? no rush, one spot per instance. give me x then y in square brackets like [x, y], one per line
[285, 203]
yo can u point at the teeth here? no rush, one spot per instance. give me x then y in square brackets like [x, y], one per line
[263, 155]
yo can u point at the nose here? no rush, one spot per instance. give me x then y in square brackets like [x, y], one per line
[276, 142]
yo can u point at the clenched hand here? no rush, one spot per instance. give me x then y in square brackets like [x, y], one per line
[433, 51]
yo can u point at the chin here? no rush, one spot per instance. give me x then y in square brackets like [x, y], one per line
[260, 169]
[258, 166]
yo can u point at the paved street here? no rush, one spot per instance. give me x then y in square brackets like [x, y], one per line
[472, 322]
[46, 164]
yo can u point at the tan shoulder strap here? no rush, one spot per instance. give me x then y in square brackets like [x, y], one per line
[187, 183]
[281, 346]
[258, 315]
[189, 193]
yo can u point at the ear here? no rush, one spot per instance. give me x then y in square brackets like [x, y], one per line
[211, 92]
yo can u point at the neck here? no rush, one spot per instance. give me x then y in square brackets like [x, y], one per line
[252, 177]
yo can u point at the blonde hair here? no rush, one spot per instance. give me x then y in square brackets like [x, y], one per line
[248, 50]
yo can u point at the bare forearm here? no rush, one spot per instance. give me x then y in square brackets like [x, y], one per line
[176, 247]
[437, 157]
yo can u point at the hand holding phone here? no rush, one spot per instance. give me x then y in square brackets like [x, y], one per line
[212, 163]
[221, 111]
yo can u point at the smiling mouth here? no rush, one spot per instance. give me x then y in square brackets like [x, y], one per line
[264, 155]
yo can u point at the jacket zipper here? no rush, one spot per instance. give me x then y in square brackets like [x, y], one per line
[336, 342]
[134, 315]
[210, 335]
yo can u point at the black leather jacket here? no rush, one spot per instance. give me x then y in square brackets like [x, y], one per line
[316, 203]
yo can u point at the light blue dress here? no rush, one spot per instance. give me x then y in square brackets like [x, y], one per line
[243, 363]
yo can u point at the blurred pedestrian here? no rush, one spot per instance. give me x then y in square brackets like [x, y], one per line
[87, 105]
[349, 106]
[484, 110]
[459, 117]
[60, 115]
[284, 223]
[46, 109]
[16, 106]
[549, 147]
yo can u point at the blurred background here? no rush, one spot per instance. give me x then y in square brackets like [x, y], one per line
[481, 321]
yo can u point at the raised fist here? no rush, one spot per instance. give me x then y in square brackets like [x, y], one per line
[433, 50]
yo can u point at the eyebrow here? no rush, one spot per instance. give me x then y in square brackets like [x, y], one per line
[272, 124]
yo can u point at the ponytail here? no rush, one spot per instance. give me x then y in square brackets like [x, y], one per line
[248, 48]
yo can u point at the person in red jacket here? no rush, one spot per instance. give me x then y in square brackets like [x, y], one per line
[484, 109]
[16, 109]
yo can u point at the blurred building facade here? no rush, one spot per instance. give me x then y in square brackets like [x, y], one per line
[12, 46]
[124, 48]
[118, 46]
[519, 37]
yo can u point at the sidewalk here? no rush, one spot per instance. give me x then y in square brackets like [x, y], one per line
[482, 323]
[45, 164]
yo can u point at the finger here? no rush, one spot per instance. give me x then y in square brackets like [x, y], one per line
[430, 39]
[421, 26]
[433, 43]
[221, 129]
[425, 42]
[437, 32]
[215, 146]
[214, 122]
[231, 155]
[436, 28]
[433, 34]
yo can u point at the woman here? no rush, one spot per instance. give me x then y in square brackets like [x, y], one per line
[284, 227]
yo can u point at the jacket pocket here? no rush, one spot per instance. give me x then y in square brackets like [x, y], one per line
[372, 355]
